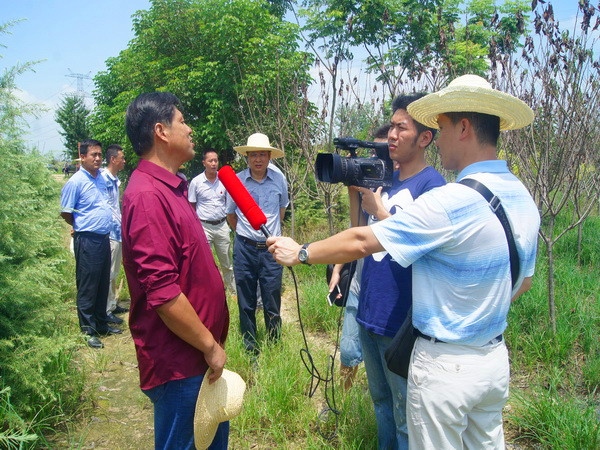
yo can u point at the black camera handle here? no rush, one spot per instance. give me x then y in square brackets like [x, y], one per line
[351, 144]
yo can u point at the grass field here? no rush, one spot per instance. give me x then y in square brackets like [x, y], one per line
[554, 400]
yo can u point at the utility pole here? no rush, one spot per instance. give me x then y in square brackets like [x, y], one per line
[80, 77]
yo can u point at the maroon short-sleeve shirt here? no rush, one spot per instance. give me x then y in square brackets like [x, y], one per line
[165, 252]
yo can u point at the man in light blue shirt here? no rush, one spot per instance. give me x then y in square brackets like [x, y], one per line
[252, 263]
[462, 289]
[116, 162]
[84, 205]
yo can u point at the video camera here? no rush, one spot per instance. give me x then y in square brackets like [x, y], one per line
[353, 171]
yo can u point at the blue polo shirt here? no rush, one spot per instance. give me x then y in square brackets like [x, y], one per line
[112, 186]
[270, 194]
[86, 198]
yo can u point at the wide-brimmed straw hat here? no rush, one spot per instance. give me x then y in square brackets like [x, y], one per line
[471, 93]
[256, 143]
[217, 402]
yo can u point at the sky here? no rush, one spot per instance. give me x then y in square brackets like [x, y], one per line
[67, 37]
[77, 37]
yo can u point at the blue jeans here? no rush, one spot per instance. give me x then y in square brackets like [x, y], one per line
[350, 348]
[388, 392]
[174, 407]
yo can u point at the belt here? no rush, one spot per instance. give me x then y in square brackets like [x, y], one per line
[257, 244]
[213, 222]
[90, 234]
[432, 339]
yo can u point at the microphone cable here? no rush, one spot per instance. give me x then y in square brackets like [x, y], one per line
[307, 359]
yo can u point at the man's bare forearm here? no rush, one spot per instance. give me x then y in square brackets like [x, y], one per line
[232, 221]
[181, 318]
[343, 247]
[68, 217]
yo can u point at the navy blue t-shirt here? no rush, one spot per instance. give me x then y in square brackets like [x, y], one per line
[386, 286]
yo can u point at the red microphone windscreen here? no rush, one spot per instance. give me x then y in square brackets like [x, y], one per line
[242, 197]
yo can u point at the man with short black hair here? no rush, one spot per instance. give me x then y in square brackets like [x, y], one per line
[85, 207]
[179, 317]
[208, 197]
[462, 274]
[115, 163]
[386, 286]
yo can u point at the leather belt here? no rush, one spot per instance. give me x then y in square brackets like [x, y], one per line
[432, 339]
[258, 244]
[213, 222]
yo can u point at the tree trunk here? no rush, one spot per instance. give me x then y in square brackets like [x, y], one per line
[329, 213]
[293, 217]
[550, 251]
[579, 239]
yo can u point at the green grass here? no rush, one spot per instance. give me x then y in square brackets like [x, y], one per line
[560, 406]
[554, 400]
[556, 421]
[317, 315]
[278, 412]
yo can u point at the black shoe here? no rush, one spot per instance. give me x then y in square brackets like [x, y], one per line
[94, 342]
[109, 331]
[114, 319]
[119, 310]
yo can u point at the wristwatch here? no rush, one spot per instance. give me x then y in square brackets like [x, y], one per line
[303, 254]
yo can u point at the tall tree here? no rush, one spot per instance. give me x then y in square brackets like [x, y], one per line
[559, 76]
[205, 52]
[73, 117]
[431, 41]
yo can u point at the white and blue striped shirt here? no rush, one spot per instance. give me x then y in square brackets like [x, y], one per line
[458, 249]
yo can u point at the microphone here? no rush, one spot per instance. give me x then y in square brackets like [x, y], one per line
[243, 199]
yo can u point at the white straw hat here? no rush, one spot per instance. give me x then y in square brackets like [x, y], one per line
[471, 93]
[258, 142]
[217, 402]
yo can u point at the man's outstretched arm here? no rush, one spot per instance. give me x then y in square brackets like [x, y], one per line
[349, 245]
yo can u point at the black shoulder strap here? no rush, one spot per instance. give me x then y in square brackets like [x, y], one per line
[499, 211]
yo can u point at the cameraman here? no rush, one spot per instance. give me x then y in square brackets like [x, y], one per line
[459, 370]
[350, 347]
[386, 286]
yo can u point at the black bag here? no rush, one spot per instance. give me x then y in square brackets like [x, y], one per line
[397, 355]
[346, 275]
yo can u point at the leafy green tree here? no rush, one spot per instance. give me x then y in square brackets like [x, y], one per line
[431, 41]
[39, 384]
[73, 117]
[207, 53]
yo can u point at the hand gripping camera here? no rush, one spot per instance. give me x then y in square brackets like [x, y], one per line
[353, 171]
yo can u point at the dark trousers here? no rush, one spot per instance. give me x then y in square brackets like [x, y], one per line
[92, 274]
[252, 265]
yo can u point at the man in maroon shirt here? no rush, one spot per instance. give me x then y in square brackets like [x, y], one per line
[179, 317]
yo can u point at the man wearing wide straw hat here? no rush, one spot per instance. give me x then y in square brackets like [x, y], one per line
[252, 263]
[462, 288]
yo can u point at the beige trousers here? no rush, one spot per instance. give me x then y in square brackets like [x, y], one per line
[218, 237]
[116, 255]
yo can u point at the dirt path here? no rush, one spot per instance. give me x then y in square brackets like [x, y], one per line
[121, 415]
